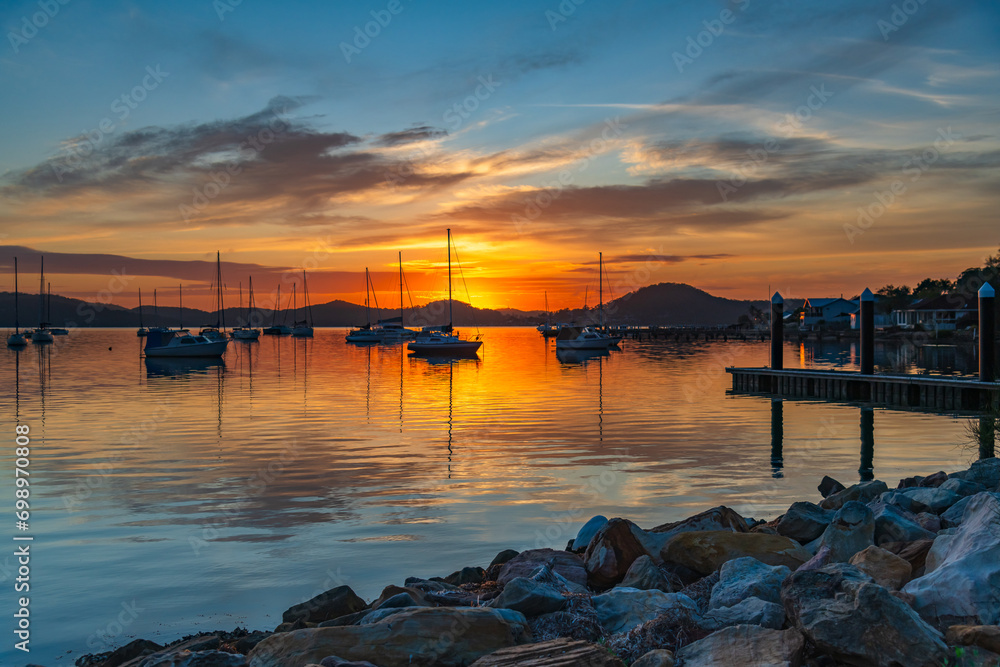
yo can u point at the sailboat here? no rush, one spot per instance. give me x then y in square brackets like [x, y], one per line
[366, 333]
[547, 330]
[277, 329]
[304, 328]
[17, 338]
[42, 333]
[443, 340]
[218, 330]
[246, 332]
[156, 316]
[393, 330]
[55, 331]
[588, 338]
[142, 331]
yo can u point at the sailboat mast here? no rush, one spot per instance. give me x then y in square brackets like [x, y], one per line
[48, 306]
[17, 323]
[368, 309]
[400, 288]
[600, 285]
[140, 308]
[41, 292]
[277, 305]
[450, 318]
[180, 296]
[156, 310]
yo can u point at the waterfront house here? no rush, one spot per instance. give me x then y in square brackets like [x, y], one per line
[832, 313]
[944, 312]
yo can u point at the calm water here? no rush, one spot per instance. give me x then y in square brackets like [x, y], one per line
[209, 495]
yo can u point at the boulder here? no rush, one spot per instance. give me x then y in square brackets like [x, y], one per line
[751, 611]
[962, 487]
[675, 627]
[334, 661]
[909, 482]
[934, 480]
[893, 524]
[717, 518]
[985, 472]
[929, 522]
[398, 600]
[546, 575]
[447, 636]
[846, 615]
[899, 499]
[467, 575]
[503, 557]
[701, 590]
[863, 492]
[829, 486]
[706, 551]
[851, 530]
[745, 646]
[587, 532]
[743, 578]
[804, 522]
[659, 657]
[621, 609]
[611, 552]
[821, 559]
[983, 636]
[195, 659]
[529, 597]
[570, 624]
[932, 500]
[952, 516]
[645, 575]
[961, 589]
[393, 592]
[335, 602]
[130, 651]
[886, 568]
[526, 563]
[914, 553]
[553, 653]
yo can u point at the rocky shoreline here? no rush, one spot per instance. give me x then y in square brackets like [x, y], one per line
[870, 575]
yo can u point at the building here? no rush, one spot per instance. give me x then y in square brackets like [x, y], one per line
[832, 313]
[945, 312]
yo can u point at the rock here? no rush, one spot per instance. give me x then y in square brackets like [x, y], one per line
[701, 590]
[935, 480]
[829, 486]
[553, 653]
[751, 611]
[886, 568]
[645, 575]
[529, 597]
[962, 589]
[587, 532]
[331, 604]
[563, 563]
[962, 487]
[371, 617]
[717, 518]
[863, 492]
[932, 500]
[427, 585]
[973, 656]
[706, 551]
[914, 553]
[417, 597]
[546, 575]
[334, 661]
[745, 646]
[854, 620]
[659, 657]
[448, 636]
[985, 472]
[503, 557]
[952, 516]
[130, 651]
[677, 626]
[893, 524]
[909, 482]
[821, 559]
[746, 577]
[983, 636]
[621, 609]
[467, 575]
[246, 643]
[901, 500]
[929, 522]
[611, 552]
[804, 522]
[851, 530]
[195, 659]
[576, 622]
[398, 600]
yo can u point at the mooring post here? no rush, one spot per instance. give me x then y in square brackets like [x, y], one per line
[777, 331]
[987, 334]
[867, 332]
[777, 437]
[866, 470]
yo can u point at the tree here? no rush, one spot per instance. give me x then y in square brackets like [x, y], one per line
[894, 297]
[930, 287]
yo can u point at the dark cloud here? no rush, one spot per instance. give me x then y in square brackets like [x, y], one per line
[419, 133]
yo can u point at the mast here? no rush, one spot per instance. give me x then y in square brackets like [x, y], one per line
[140, 308]
[400, 288]
[41, 293]
[48, 306]
[156, 311]
[368, 309]
[548, 317]
[245, 313]
[17, 323]
[600, 285]
[294, 304]
[450, 319]
[305, 290]
[277, 305]
[250, 303]
[180, 294]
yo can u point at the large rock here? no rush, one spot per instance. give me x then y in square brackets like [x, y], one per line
[659, 657]
[587, 532]
[717, 518]
[983, 636]
[851, 530]
[962, 589]
[743, 578]
[646, 576]
[621, 609]
[804, 522]
[529, 597]
[863, 492]
[886, 568]
[851, 618]
[952, 516]
[524, 564]
[985, 472]
[751, 611]
[745, 646]
[962, 487]
[914, 553]
[932, 499]
[553, 653]
[611, 552]
[706, 551]
[338, 601]
[422, 636]
[829, 486]
[195, 659]
[670, 630]
[893, 524]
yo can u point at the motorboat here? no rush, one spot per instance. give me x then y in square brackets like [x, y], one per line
[584, 338]
[182, 344]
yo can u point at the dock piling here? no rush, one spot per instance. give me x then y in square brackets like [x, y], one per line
[867, 332]
[987, 334]
[777, 331]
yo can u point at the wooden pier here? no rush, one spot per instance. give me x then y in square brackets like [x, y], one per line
[907, 391]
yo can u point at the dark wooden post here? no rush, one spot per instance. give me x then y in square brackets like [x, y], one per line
[777, 331]
[867, 468]
[987, 334]
[867, 332]
[777, 437]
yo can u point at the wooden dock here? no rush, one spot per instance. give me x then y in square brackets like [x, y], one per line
[907, 391]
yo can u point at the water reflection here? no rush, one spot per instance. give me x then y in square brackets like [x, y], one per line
[157, 367]
[777, 438]
[892, 357]
[866, 470]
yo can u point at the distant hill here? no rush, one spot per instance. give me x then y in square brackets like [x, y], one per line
[665, 304]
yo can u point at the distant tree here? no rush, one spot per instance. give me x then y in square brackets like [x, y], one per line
[894, 297]
[930, 287]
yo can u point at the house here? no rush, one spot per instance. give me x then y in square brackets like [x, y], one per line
[882, 320]
[832, 313]
[944, 312]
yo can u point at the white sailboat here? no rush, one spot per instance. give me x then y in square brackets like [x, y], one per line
[246, 332]
[218, 330]
[366, 333]
[277, 329]
[547, 330]
[16, 339]
[393, 330]
[303, 328]
[55, 331]
[42, 333]
[142, 331]
[588, 338]
[443, 340]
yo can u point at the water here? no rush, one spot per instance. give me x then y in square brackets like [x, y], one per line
[171, 497]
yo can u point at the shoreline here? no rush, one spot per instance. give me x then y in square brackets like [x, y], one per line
[868, 575]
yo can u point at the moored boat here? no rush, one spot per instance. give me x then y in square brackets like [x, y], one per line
[182, 344]
[16, 339]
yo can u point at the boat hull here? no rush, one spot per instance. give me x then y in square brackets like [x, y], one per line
[245, 334]
[302, 332]
[213, 349]
[41, 337]
[277, 331]
[437, 349]
[17, 340]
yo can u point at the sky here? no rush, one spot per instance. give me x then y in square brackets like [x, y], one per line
[741, 147]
